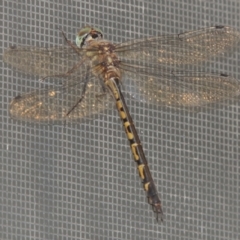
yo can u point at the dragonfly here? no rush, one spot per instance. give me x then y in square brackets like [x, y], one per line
[88, 77]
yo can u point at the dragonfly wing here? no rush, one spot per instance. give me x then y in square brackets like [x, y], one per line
[41, 61]
[185, 48]
[188, 89]
[57, 104]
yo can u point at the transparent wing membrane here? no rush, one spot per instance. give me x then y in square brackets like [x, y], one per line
[144, 63]
[185, 48]
[62, 104]
[188, 89]
[41, 61]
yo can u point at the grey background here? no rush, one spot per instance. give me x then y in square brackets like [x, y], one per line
[79, 181]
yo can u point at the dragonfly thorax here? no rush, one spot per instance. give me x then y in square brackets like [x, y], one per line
[104, 60]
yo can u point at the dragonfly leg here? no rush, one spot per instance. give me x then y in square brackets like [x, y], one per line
[73, 46]
[82, 95]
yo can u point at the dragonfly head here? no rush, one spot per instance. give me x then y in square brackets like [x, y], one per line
[87, 34]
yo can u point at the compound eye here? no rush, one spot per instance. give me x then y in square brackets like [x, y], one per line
[95, 35]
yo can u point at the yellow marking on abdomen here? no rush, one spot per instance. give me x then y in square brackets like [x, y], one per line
[134, 151]
[146, 186]
[141, 171]
[121, 111]
[129, 134]
[119, 104]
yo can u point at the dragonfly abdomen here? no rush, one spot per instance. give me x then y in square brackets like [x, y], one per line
[136, 147]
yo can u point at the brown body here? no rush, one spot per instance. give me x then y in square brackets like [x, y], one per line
[106, 65]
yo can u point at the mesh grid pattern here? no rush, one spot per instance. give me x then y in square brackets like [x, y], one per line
[79, 181]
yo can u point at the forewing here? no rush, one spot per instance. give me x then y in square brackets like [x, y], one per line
[41, 61]
[180, 49]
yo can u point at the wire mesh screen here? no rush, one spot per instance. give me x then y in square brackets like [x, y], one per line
[78, 181]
